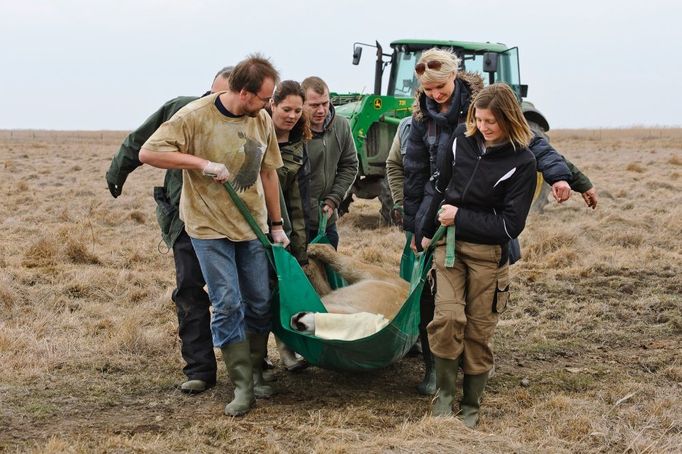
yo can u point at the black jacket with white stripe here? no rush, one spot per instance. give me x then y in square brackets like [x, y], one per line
[493, 190]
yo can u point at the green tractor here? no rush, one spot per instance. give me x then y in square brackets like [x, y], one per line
[374, 118]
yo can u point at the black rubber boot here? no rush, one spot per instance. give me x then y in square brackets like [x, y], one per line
[427, 387]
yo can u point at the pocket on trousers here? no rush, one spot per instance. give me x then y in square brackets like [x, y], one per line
[501, 299]
[165, 211]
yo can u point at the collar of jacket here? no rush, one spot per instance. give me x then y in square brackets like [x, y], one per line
[296, 134]
[330, 117]
[495, 150]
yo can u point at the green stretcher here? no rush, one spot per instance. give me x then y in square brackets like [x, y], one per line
[294, 293]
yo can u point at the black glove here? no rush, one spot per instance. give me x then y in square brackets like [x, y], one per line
[114, 187]
[397, 215]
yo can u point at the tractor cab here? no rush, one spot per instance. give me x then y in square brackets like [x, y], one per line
[374, 118]
[495, 62]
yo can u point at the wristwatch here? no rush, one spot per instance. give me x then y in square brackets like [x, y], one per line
[275, 223]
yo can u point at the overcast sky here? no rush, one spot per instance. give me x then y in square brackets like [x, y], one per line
[76, 64]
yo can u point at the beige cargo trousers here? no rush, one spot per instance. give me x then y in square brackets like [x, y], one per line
[469, 298]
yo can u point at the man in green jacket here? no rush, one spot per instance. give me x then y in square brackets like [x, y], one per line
[191, 301]
[332, 155]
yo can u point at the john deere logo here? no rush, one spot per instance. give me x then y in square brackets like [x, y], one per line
[377, 103]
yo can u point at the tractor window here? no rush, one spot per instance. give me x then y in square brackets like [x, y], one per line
[508, 70]
[406, 81]
[473, 64]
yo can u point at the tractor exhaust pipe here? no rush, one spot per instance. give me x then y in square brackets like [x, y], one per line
[378, 70]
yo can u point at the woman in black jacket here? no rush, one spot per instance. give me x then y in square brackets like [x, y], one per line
[484, 189]
[441, 104]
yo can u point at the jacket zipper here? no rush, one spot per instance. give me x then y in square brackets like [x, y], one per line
[473, 175]
[324, 160]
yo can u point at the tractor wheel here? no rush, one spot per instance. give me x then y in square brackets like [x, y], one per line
[542, 198]
[386, 202]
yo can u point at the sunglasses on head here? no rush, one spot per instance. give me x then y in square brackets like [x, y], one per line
[421, 67]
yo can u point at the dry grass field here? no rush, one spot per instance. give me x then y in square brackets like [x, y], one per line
[588, 356]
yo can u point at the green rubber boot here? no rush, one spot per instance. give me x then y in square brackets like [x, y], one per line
[446, 378]
[259, 350]
[237, 358]
[472, 390]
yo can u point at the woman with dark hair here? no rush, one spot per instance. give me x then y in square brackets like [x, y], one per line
[292, 128]
[293, 131]
[484, 188]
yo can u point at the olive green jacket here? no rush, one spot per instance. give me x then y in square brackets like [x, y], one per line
[394, 162]
[293, 179]
[333, 165]
[579, 182]
[127, 159]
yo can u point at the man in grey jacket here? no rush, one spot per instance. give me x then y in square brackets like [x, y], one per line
[332, 155]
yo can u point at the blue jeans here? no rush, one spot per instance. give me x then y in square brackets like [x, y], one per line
[237, 277]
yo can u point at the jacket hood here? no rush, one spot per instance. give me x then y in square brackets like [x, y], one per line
[467, 86]
[330, 117]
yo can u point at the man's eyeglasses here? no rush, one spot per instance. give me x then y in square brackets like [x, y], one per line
[265, 100]
[421, 67]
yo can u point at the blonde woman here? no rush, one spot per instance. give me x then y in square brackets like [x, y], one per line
[485, 185]
[441, 103]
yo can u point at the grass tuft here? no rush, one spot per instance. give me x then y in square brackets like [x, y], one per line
[42, 252]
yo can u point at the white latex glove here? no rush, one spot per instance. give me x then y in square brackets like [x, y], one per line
[278, 236]
[216, 170]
